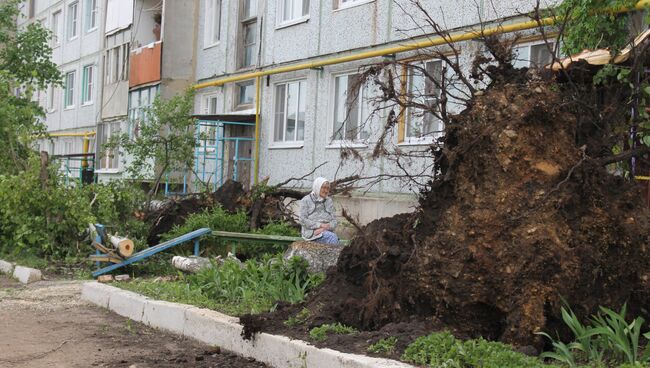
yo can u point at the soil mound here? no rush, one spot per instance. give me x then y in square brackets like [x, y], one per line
[521, 218]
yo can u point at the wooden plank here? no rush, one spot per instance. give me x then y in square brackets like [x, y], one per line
[103, 258]
[259, 237]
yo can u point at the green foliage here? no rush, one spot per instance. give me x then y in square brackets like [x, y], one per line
[43, 221]
[592, 25]
[442, 349]
[279, 228]
[25, 67]
[320, 333]
[115, 205]
[609, 339]
[300, 318]
[165, 142]
[384, 346]
[234, 288]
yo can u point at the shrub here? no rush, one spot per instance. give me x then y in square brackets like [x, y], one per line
[442, 349]
[41, 220]
[320, 333]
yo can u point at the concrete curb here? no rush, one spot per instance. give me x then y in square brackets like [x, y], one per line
[6, 267]
[214, 328]
[23, 274]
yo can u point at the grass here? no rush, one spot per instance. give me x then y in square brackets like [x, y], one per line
[384, 346]
[320, 333]
[234, 288]
[442, 349]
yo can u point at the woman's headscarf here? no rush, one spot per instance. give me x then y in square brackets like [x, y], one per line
[315, 188]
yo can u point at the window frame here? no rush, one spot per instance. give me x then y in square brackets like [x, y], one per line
[281, 22]
[136, 114]
[209, 26]
[528, 45]
[206, 103]
[347, 4]
[357, 142]
[405, 138]
[108, 164]
[238, 85]
[302, 82]
[68, 94]
[87, 85]
[91, 12]
[56, 27]
[72, 23]
[245, 22]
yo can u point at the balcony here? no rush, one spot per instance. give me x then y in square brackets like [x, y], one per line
[145, 64]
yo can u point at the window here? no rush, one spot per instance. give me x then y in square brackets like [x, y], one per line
[352, 108]
[72, 20]
[51, 103]
[290, 105]
[91, 15]
[56, 28]
[248, 33]
[87, 85]
[212, 22]
[424, 79]
[139, 101]
[116, 64]
[533, 55]
[69, 90]
[108, 158]
[293, 10]
[341, 4]
[209, 105]
[245, 94]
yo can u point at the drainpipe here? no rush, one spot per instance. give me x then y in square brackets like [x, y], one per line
[258, 103]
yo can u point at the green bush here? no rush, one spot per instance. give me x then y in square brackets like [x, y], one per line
[43, 221]
[442, 349]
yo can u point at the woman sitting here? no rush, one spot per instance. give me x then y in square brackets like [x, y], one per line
[317, 214]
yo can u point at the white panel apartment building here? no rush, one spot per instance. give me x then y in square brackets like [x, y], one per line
[305, 119]
[117, 55]
[77, 46]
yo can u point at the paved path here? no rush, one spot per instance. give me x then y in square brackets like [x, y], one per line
[46, 324]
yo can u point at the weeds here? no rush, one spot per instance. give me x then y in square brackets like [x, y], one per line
[237, 288]
[300, 318]
[384, 346]
[442, 349]
[609, 338]
[320, 333]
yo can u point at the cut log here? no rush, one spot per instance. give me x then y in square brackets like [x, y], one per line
[124, 246]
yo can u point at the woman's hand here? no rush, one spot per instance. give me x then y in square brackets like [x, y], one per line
[325, 226]
[319, 231]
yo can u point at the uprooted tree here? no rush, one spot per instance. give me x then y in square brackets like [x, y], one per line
[523, 207]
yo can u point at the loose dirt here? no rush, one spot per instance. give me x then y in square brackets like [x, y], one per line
[522, 215]
[47, 325]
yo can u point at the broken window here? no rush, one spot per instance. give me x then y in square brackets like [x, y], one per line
[290, 107]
